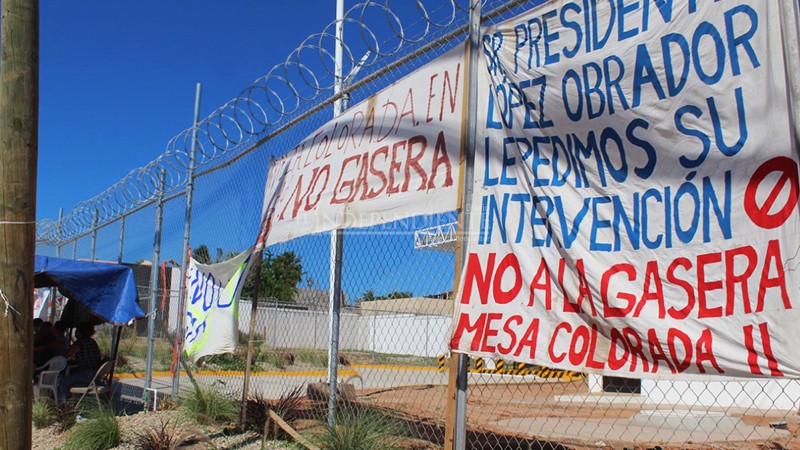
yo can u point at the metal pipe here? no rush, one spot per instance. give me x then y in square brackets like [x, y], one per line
[462, 363]
[94, 233]
[121, 239]
[187, 226]
[334, 309]
[337, 238]
[115, 338]
[117, 334]
[151, 310]
[54, 291]
[257, 263]
[60, 232]
[52, 314]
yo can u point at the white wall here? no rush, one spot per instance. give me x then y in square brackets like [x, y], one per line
[401, 334]
[174, 298]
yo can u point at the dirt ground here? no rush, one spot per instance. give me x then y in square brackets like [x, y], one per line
[131, 426]
[489, 405]
[492, 411]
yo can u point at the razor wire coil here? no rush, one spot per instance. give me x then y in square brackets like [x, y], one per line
[287, 90]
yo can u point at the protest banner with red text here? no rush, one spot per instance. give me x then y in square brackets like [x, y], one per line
[392, 156]
[636, 193]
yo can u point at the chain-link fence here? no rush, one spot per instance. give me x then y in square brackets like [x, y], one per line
[397, 279]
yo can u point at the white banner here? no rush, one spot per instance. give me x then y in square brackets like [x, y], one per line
[41, 303]
[212, 302]
[392, 156]
[635, 209]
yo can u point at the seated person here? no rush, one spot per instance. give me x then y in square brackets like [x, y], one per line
[41, 344]
[37, 322]
[84, 353]
[60, 343]
[56, 344]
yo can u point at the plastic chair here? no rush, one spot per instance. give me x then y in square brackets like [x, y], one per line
[48, 376]
[98, 385]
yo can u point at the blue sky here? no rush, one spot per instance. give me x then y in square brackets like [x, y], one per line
[117, 82]
[117, 79]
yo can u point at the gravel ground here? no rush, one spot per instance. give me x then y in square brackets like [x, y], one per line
[133, 425]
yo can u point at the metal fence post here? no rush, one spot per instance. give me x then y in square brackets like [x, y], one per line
[117, 333]
[256, 265]
[54, 291]
[94, 233]
[60, 232]
[337, 238]
[121, 239]
[456, 431]
[151, 310]
[187, 225]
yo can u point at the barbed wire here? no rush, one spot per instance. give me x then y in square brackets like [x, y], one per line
[289, 89]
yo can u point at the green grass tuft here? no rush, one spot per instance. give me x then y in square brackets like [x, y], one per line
[361, 431]
[169, 436]
[100, 431]
[276, 359]
[208, 405]
[44, 414]
[65, 416]
[288, 407]
[225, 361]
[316, 358]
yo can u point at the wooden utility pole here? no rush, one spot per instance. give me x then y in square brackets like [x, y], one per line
[19, 124]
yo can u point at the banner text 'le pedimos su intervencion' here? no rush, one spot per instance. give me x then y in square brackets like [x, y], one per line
[636, 192]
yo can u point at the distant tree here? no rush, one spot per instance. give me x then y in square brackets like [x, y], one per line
[279, 277]
[202, 255]
[279, 274]
[370, 296]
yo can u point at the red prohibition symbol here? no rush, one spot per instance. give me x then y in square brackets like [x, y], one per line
[761, 215]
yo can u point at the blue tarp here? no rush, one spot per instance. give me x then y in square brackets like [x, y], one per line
[107, 290]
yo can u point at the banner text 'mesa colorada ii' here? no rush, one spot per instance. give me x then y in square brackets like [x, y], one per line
[635, 207]
[392, 156]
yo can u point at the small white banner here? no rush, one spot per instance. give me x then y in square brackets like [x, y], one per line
[392, 156]
[212, 302]
[41, 303]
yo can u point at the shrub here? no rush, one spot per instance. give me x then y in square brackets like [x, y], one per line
[100, 431]
[168, 403]
[315, 358]
[123, 365]
[361, 431]
[43, 413]
[66, 414]
[226, 361]
[163, 355]
[288, 407]
[127, 343]
[167, 437]
[105, 346]
[208, 405]
[277, 359]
